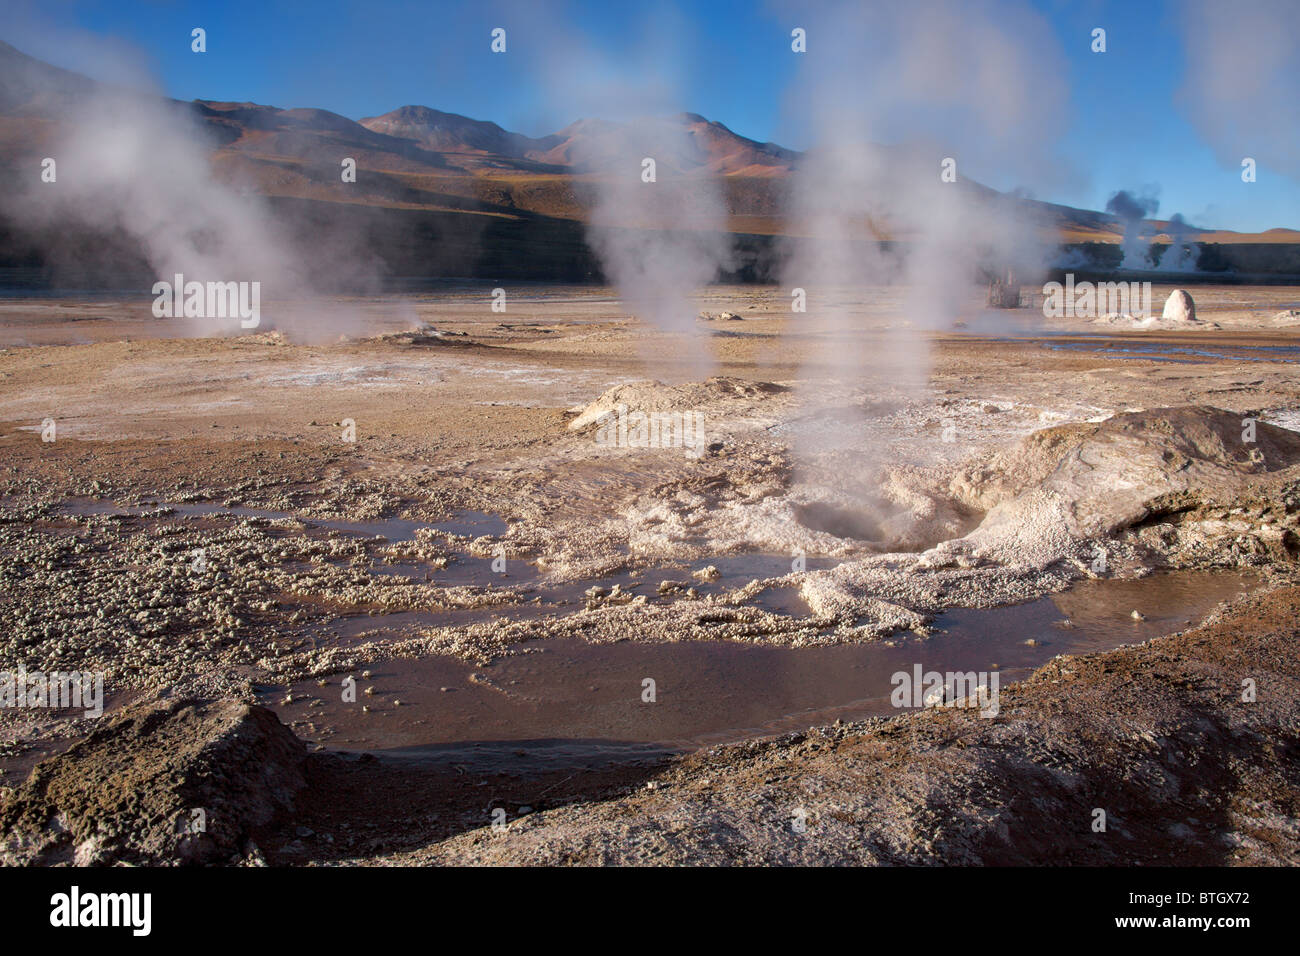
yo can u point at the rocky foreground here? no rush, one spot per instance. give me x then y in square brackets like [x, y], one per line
[128, 792]
[1180, 751]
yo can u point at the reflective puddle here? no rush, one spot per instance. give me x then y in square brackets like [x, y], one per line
[568, 699]
[1158, 352]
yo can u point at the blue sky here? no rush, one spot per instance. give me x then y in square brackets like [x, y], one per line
[729, 60]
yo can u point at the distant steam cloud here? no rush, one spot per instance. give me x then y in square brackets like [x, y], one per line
[660, 233]
[1242, 86]
[1132, 210]
[657, 223]
[975, 84]
[134, 171]
[1182, 253]
[137, 164]
[1129, 207]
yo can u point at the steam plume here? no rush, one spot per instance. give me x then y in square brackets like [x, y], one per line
[1131, 210]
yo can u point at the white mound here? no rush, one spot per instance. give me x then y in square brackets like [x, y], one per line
[1179, 307]
[658, 397]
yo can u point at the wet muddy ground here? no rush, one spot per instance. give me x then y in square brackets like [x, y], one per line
[592, 697]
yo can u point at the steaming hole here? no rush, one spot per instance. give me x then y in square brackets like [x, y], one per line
[840, 522]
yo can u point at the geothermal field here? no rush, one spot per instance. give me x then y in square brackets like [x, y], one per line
[404, 491]
[428, 516]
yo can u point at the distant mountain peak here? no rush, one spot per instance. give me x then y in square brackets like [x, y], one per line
[450, 132]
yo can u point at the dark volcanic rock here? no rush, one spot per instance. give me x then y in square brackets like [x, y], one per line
[128, 792]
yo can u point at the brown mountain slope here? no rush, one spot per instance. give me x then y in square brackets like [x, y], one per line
[470, 175]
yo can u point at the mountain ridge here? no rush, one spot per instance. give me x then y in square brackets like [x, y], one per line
[413, 150]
